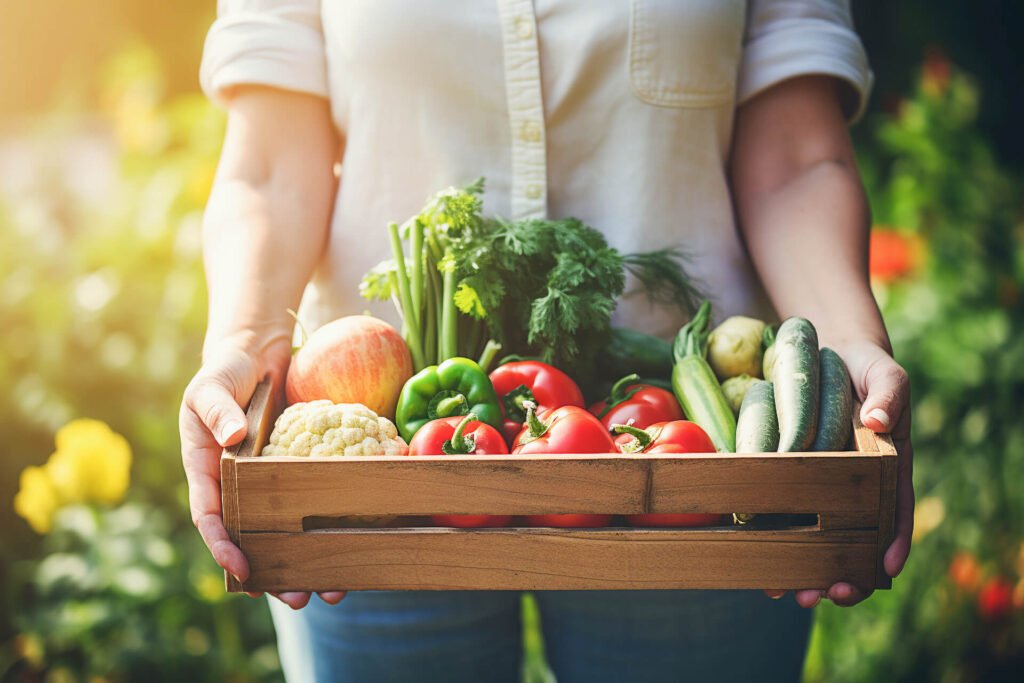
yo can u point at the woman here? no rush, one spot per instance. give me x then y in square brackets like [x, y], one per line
[648, 120]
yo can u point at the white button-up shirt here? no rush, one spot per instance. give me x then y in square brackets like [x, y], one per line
[618, 113]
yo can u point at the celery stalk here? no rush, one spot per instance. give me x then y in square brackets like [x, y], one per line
[411, 325]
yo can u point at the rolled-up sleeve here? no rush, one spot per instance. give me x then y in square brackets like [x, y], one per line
[276, 43]
[788, 38]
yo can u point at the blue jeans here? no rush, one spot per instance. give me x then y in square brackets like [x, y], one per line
[591, 636]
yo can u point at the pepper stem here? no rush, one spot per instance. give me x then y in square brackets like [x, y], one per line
[619, 394]
[537, 427]
[449, 406]
[460, 443]
[641, 438]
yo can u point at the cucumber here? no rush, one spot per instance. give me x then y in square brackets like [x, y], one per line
[796, 378]
[630, 351]
[701, 397]
[835, 409]
[757, 430]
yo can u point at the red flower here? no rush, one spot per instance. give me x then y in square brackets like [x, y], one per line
[965, 572]
[893, 255]
[995, 601]
[936, 71]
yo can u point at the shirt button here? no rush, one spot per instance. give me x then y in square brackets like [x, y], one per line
[530, 131]
[524, 29]
[534, 191]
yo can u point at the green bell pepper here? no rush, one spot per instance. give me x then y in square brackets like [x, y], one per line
[457, 386]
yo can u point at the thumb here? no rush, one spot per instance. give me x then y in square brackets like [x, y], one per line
[214, 404]
[887, 389]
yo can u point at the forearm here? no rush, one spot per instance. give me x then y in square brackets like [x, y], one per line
[808, 239]
[266, 223]
[802, 210]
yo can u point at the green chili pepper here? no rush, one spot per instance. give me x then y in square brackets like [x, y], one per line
[457, 386]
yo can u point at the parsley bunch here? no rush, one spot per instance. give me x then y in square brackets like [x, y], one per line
[541, 288]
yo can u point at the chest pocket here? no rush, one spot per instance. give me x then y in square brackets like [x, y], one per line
[685, 53]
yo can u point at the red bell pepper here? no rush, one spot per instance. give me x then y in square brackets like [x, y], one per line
[530, 380]
[569, 429]
[678, 436]
[461, 435]
[638, 404]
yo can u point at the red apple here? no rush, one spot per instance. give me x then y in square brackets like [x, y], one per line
[355, 359]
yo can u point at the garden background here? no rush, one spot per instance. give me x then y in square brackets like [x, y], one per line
[107, 152]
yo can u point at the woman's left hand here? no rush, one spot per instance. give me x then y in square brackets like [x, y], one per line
[884, 388]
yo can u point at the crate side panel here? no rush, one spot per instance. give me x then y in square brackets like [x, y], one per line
[842, 484]
[276, 495]
[556, 560]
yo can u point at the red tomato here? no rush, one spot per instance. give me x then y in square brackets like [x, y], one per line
[564, 430]
[569, 521]
[460, 435]
[640, 405]
[529, 380]
[678, 436]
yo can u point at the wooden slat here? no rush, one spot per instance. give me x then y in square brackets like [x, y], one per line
[276, 493]
[886, 517]
[229, 510]
[867, 441]
[259, 417]
[548, 559]
[866, 519]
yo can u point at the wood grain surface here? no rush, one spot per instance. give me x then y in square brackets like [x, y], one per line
[556, 559]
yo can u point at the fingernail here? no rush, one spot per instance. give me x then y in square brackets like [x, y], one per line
[881, 416]
[230, 429]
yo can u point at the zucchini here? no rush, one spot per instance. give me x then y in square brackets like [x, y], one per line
[701, 397]
[835, 409]
[696, 386]
[630, 351]
[757, 430]
[768, 352]
[796, 379]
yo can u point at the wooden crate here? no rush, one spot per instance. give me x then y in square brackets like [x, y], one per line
[279, 510]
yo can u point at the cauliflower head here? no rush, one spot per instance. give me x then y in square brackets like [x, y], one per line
[320, 428]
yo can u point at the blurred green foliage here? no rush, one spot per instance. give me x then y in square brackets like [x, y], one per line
[957, 325]
[102, 307]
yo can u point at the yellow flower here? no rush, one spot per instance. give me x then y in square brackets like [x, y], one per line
[37, 499]
[91, 463]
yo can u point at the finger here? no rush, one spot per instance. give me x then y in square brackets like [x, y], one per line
[774, 594]
[213, 402]
[888, 392]
[332, 597]
[808, 598]
[846, 594]
[295, 600]
[226, 553]
[254, 595]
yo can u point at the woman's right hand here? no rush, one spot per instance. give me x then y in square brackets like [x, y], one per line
[212, 419]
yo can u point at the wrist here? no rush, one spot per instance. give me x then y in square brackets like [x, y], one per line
[256, 341]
